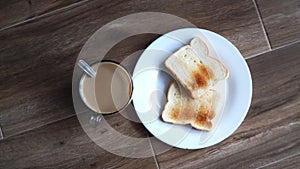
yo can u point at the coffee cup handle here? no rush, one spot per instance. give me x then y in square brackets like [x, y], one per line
[95, 120]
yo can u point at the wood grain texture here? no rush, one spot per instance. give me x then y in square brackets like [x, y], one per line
[270, 131]
[40, 92]
[37, 57]
[13, 11]
[281, 20]
[64, 144]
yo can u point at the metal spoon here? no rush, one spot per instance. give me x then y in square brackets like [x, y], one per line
[86, 68]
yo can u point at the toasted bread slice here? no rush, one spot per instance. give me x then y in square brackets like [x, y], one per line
[195, 69]
[182, 109]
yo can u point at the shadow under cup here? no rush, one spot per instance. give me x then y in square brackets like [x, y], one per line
[110, 91]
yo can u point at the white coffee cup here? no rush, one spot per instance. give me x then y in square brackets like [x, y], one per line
[108, 90]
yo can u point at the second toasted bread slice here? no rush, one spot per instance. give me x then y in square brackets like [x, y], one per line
[182, 109]
[195, 69]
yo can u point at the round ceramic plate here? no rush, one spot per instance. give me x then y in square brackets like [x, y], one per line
[151, 81]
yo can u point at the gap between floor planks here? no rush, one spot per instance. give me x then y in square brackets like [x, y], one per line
[271, 50]
[70, 6]
[278, 161]
[262, 24]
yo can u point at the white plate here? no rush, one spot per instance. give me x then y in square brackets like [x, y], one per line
[151, 81]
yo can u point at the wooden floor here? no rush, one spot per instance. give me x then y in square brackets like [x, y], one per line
[40, 42]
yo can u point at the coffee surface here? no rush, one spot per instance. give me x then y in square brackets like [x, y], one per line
[109, 91]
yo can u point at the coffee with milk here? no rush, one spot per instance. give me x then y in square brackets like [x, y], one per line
[111, 89]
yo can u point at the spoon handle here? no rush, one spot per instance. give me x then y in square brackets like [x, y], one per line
[86, 68]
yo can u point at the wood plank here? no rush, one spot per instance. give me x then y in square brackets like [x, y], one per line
[64, 144]
[270, 131]
[37, 58]
[13, 11]
[281, 20]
